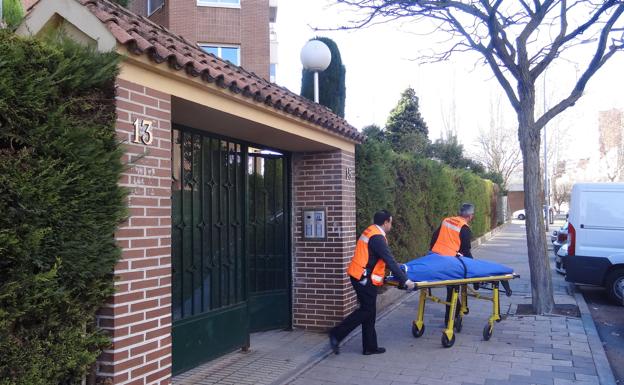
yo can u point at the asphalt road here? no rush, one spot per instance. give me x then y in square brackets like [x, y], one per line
[609, 320]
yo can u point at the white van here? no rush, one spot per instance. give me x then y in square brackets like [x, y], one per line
[596, 237]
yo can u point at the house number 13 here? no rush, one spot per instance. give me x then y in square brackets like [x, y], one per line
[143, 131]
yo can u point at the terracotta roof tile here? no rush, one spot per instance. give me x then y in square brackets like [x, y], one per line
[143, 37]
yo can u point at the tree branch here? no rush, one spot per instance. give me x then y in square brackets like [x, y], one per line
[598, 60]
[561, 39]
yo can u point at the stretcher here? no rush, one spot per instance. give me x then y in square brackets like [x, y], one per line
[460, 293]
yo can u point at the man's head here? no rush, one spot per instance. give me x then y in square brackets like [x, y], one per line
[383, 219]
[467, 210]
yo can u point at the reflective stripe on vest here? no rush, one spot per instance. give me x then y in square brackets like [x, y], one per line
[449, 241]
[357, 266]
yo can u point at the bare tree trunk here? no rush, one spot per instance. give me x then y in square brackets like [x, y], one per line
[541, 278]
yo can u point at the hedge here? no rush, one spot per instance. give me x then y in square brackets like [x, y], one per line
[60, 204]
[419, 193]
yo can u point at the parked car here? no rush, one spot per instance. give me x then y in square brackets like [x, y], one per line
[520, 214]
[559, 237]
[560, 257]
[596, 237]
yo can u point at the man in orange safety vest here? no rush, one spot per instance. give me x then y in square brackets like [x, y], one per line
[453, 239]
[366, 271]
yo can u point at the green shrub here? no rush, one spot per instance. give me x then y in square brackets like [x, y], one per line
[420, 193]
[60, 204]
[12, 12]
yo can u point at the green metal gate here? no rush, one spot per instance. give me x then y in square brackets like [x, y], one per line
[268, 241]
[230, 245]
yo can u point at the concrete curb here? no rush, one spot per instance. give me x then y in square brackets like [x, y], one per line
[325, 350]
[605, 374]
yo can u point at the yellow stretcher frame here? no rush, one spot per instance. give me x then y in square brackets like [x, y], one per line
[459, 288]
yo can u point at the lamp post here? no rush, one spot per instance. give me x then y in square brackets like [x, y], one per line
[315, 56]
[546, 187]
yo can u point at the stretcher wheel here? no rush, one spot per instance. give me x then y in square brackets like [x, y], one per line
[458, 324]
[487, 332]
[446, 342]
[416, 332]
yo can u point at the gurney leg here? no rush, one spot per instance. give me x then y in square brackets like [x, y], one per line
[463, 308]
[448, 336]
[489, 328]
[418, 326]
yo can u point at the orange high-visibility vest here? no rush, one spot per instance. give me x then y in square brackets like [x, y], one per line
[360, 258]
[448, 241]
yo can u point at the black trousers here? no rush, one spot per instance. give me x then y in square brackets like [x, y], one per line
[365, 315]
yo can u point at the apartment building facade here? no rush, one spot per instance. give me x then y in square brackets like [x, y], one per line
[240, 31]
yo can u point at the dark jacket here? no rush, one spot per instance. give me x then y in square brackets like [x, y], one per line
[378, 248]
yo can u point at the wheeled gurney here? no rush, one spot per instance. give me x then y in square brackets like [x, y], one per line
[460, 291]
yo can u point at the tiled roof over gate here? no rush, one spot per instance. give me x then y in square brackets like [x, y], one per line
[143, 37]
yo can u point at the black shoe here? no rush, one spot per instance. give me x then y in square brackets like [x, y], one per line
[376, 351]
[333, 342]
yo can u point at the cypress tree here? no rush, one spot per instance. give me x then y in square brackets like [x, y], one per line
[332, 91]
[406, 129]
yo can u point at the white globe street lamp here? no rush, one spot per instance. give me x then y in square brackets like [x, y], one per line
[315, 57]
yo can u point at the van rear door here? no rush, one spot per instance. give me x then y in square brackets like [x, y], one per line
[600, 230]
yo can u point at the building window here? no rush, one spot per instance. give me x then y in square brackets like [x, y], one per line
[272, 69]
[154, 5]
[219, 3]
[230, 53]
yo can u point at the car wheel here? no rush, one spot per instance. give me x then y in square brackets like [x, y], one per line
[521, 217]
[615, 286]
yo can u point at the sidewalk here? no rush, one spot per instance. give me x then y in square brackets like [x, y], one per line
[523, 350]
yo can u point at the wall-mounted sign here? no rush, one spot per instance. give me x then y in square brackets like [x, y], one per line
[143, 131]
[314, 223]
[349, 173]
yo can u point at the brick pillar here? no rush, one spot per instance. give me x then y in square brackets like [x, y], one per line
[138, 316]
[322, 292]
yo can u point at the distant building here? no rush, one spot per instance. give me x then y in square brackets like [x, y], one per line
[241, 31]
[515, 197]
[611, 133]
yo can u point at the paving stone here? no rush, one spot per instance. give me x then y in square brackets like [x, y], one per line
[588, 378]
[552, 374]
[531, 379]
[559, 381]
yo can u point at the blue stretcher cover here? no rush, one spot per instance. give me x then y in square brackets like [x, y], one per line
[435, 267]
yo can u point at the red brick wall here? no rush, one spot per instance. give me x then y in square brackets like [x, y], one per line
[138, 317]
[323, 295]
[247, 26]
[255, 46]
[160, 16]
